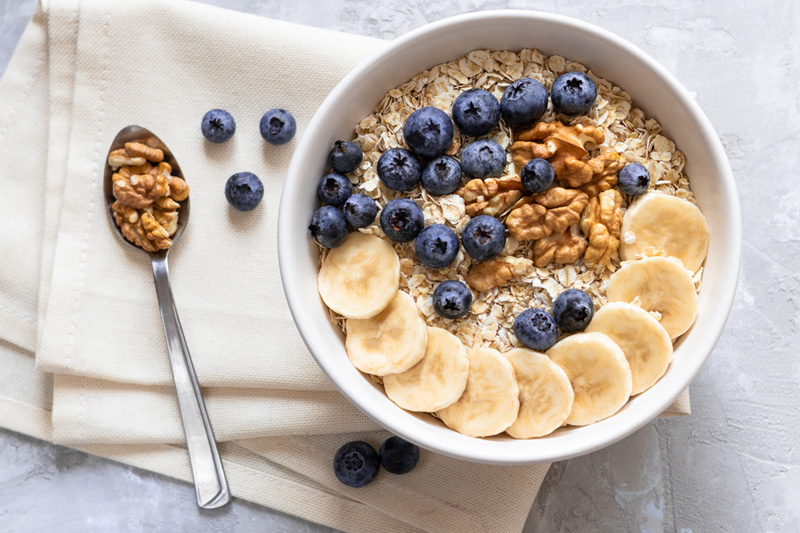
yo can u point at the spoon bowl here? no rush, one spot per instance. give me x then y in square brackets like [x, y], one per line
[211, 485]
[142, 135]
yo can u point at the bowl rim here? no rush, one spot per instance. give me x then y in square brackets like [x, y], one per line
[711, 334]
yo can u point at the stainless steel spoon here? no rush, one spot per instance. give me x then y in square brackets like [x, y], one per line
[209, 477]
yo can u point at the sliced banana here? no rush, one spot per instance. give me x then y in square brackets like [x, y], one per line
[645, 343]
[667, 224]
[435, 382]
[391, 342]
[545, 394]
[359, 278]
[599, 373]
[490, 402]
[658, 284]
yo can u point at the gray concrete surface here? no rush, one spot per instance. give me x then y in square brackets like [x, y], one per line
[734, 465]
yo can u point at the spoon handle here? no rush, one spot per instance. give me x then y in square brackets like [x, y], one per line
[209, 477]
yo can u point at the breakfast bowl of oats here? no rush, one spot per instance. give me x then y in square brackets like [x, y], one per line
[510, 237]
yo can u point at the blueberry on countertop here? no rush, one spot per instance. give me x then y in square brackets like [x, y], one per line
[244, 191]
[398, 456]
[436, 246]
[277, 126]
[573, 309]
[334, 189]
[360, 210]
[634, 179]
[484, 237]
[345, 156]
[402, 220]
[573, 93]
[523, 103]
[536, 329]
[442, 175]
[452, 299]
[537, 175]
[428, 131]
[328, 227]
[476, 112]
[483, 158]
[356, 464]
[399, 169]
[218, 126]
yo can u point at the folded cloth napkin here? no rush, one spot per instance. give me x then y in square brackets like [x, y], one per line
[84, 303]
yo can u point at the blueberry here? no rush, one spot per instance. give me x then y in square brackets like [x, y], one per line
[328, 226]
[442, 175]
[398, 456]
[573, 309]
[573, 93]
[476, 112]
[483, 159]
[537, 175]
[345, 156]
[536, 329]
[523, 103]
[218, 126]
[436, 246]
[428, 131]
[334, 189]
[452, 299]
[484, 237]
[244, 191]
[278, 126]
[356, 464]
[360, 210]
[399, 169]
[634, 179]
[402, 220]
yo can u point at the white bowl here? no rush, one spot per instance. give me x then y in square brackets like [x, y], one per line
[651, 87]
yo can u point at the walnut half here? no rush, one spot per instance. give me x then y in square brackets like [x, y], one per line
[497, 272]
[552, 211]
[492, 196]
[561, 248]
[601, 223]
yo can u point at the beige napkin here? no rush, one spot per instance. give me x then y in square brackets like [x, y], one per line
[72, 83]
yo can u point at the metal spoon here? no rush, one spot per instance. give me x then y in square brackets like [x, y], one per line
[209, 477]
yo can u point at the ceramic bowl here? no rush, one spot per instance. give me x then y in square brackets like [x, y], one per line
[652, 88]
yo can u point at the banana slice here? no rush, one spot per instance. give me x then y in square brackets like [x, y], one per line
[545, 394]
[391, 342]
[599, 373]
[435, 382]
[643, 340]
[657, 284]
[359, 278]
[490, 402]
[667, 224]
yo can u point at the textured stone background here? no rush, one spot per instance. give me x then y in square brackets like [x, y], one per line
[734, 465]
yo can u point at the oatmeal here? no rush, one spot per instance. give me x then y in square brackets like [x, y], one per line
[540, 259]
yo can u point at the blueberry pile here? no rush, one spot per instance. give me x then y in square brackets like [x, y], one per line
[329, 224]
[356, 463]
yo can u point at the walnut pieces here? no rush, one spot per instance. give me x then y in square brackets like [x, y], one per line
[147, 196]
[601, 223]
[604, 169]
[497, 272]
[562, 248]
[552, 211]
[492, 196]
[563, 146]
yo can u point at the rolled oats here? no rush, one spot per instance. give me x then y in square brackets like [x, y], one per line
[625, 135]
